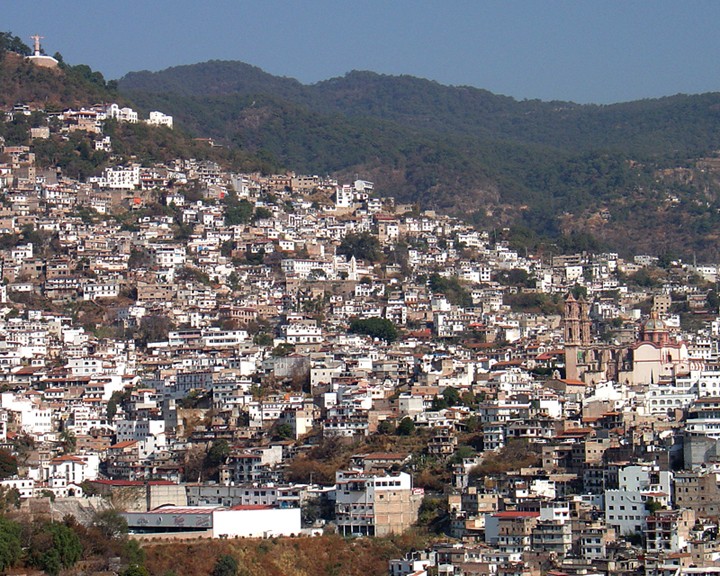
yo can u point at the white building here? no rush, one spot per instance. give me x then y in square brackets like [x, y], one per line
[301, 331]
[103, 144]
[25, 486]
[85, 366]
[33, 418]
[74, 469]
[96, 290]
[414, 563]
[216, 338]
[625, 508]
[325, 372]
[141, 430]
[169, 256]
[344, 197]
[375, 505]
[160, 119]
[119, 178]
[217, 522]
[122, 114]
[662, 398]
[625, 511]
[304, 268]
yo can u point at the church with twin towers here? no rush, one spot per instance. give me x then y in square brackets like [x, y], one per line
[654, 357]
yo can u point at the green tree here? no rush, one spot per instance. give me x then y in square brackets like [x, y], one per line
[226, 249]
[226, 565]
[713, 301]
[381, 328]
[12, 43]
[263, 339]
[451, 396]
[406, 427]
[117, 398]
[514, 277]
[135, 570]
[433, 511]
[23, 446]
[463, 452]
[255, 257]
[111, 524]
[579, 291]
[534, 303]
[68, 441]
[468, 399]
[472, 423]
[386, 427]
[154, 328]
[217, 454]
[438, 403]
[284, 431]
[237, 211]
[363, 246]
[261, 214]
[644, 278]
[140, 257]
[133, 553]
[282, 349]
[8, 464]
[111, 409]
[9, 499]
[10, 544]
[453, 290]
[55, 547]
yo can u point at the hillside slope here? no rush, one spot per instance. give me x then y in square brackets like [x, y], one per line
[552, 167]
[66, 86]
[664, 125]
[51, 89]
[320, 556]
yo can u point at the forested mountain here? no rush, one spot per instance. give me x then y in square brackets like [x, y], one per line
[686, 124]
[547, 168]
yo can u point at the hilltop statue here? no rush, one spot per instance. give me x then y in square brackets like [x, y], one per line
[38, 58]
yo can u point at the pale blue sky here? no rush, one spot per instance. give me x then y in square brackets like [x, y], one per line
[587, 51]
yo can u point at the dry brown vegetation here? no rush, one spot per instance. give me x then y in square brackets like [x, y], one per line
[320, 556]
[49, 88]
[334, 454]
[517, 454]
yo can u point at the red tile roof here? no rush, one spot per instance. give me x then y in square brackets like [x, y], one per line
[516, 514]
[134, 482]
[125, 444]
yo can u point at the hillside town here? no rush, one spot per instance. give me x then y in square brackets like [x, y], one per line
[221, 354]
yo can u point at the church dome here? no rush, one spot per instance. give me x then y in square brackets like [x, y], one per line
[655, 330]
[654, 325]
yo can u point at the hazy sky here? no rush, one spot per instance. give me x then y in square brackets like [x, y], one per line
[587, 51]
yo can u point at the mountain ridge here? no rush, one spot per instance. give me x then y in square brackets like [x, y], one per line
[366, 93]
[551, 167]
[543, 169]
